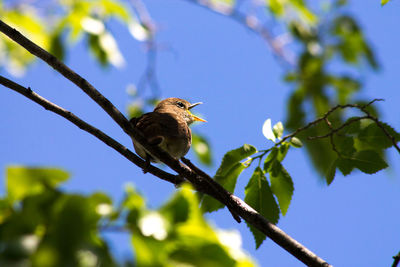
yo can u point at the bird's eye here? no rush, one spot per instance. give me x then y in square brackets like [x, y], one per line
[180, 104]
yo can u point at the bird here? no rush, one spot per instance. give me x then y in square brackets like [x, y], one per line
[167, 126]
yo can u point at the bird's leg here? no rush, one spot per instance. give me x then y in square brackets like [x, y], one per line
[146, 164]
[155, 141]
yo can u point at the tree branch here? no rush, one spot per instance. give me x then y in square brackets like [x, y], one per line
[335, 130]
[201, 182]
[396, 260]
[251, 23]
[368, 115]
[90, 129]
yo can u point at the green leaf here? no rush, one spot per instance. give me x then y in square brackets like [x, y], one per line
[132, 199]
[57, 47]
[115, 8]
[24, 181]
[270, 159]
[232, 157]
[296, 114]
[345, 86]
[201, 148]
[354, 127]
[228, 181]
[258, 195]
[345, 165]
[304, 13]
[384, 2]
[352, 45]
[281, 185]
[345, 145]
[291, 77]
[152, 251]
[183, 206]
[368, 161]
[259, 236]
[228, 173]
[134, 203]
[192, 241]
[276, 6]
[330, 175]
[282, 151]
[101, 203]
[135, 110]
[97, 50]
[29, 24]
[70, 229]
[278, 129]
[375, 137]
[320, 150]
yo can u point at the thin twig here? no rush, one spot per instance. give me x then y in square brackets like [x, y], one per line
[380, 125]
[149, 76]
[329, 112]
[251, 23]
[335, 130]
[368, 115]
[240, 207]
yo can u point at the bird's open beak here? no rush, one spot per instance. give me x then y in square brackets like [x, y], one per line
[195, 104]
[195, 117]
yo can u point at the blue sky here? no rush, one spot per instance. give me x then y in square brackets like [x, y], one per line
[353, 222]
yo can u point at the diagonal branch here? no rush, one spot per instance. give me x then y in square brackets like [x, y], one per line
[92, 92]
[79, 81]
[202, 182]
[89, 128]
[199, 180]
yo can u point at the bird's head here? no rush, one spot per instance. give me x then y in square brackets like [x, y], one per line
[180, 107]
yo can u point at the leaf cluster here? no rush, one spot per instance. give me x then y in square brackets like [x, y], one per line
[337, 40]
[359, 144]
[361, 147]
[72, 21]
[40, 225]
[269, 197]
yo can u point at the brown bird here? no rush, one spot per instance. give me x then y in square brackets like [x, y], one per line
[167, 127]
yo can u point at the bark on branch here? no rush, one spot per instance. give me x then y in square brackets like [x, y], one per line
[199, 179]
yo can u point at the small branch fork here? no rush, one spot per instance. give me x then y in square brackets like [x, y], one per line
[330, 134]
[201, 181]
